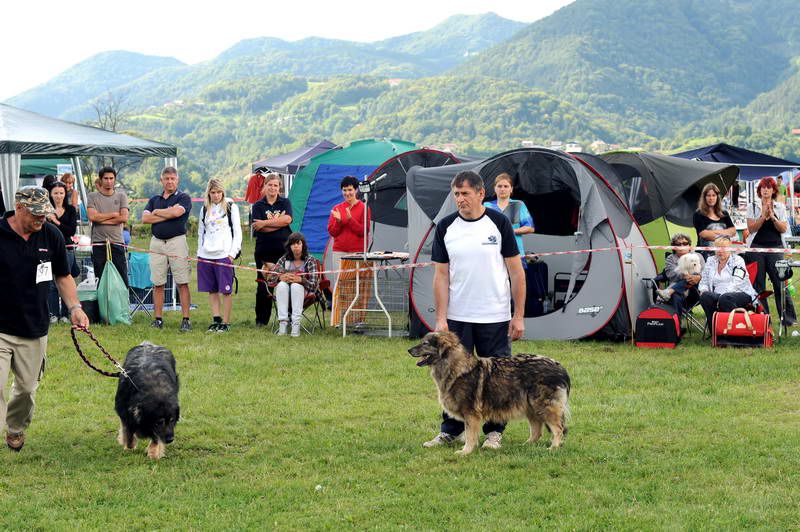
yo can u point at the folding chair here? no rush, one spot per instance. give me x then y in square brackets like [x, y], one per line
[690, 321]
[140, 286]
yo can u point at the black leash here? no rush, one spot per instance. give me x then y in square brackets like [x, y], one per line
[88, 333]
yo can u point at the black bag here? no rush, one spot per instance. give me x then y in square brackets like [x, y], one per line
[658, 326]
[92, 310]
[536, 280]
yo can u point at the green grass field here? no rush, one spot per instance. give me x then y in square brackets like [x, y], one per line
[324, 433]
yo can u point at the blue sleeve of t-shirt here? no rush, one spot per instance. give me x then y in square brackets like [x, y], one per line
[525, 218]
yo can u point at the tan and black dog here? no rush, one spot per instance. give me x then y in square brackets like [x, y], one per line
[477, 389]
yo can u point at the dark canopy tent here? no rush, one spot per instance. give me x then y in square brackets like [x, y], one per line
[752, 164]
[292, 162]
[27, 134]
[660, 190]
[658, 185]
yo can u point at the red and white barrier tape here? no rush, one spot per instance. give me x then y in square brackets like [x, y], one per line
[387, 267]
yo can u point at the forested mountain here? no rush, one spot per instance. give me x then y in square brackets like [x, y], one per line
[452, 41]
[419, 54]
[657, 64]
[78, 85]
[219, 135]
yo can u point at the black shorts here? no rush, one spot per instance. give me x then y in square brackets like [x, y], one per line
[486, 339]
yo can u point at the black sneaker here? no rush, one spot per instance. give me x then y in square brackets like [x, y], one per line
[214, 327]
[186, 325]
[223, 327]
[158, 323]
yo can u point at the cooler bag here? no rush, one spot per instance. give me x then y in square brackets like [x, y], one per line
[740, 328]
[658, 326]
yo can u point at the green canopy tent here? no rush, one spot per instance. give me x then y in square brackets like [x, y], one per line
[315, 189]
[41, 166]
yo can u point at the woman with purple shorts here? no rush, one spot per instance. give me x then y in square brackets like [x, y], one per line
[219, 241]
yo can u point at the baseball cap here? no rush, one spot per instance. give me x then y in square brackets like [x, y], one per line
[35, 199]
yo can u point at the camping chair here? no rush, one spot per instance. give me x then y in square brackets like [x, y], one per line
[690, 321]
[140, 287]
[314, 301]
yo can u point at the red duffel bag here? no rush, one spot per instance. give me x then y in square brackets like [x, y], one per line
[740, 328]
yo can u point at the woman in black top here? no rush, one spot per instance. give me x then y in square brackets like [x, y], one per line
[65, 217]
[767, 221]
[710, 221]
[271, 216]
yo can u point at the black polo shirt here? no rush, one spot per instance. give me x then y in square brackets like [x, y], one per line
[264, 211]
[176, 226]
[24, 309]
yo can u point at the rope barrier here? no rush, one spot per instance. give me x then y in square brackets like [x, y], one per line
[389, 267]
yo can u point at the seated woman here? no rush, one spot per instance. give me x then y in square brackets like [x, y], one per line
[296, 273]
[682, 291]
[724, 284]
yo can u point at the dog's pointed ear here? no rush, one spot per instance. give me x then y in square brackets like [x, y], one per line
[446, 342]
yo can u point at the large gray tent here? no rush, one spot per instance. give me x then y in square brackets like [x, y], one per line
[573, 208]
[23, 133]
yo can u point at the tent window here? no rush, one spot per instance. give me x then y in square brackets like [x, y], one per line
[553, 213]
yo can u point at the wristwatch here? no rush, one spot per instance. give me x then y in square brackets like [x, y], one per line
[73, 308]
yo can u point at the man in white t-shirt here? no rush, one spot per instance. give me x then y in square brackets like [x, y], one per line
[478, 272]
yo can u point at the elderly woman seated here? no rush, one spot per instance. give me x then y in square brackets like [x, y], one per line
[724, 284]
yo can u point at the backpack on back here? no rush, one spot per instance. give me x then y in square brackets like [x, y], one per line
[230, 223]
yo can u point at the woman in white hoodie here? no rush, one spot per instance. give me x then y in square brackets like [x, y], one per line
[219, 241]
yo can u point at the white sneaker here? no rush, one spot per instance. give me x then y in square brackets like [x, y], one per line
[295, 330]
[443, 438]
[53, 319]
[493, 440]
[282, 327]
[63, 320]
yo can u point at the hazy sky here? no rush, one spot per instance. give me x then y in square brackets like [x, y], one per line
[41, 38]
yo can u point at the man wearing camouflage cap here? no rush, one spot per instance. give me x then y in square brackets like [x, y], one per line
[32, 253]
